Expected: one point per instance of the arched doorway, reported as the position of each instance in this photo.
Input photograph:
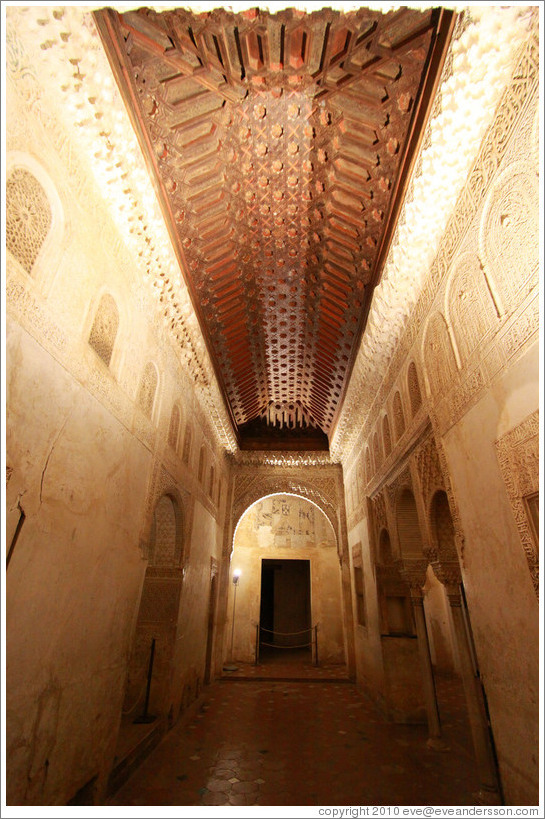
(290, 582)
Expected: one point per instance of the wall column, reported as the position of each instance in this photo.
(489, 791)
(435, 740)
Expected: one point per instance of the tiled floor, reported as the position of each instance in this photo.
(285, 665)
(303, 743)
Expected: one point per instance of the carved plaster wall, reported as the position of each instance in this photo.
(459, 347)
(322, 484)
(472, 337)
(88, 463)
(518, 457)
(420, 263)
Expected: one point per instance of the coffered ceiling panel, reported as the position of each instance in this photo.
(280, 146)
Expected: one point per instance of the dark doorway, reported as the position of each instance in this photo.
(285, 616)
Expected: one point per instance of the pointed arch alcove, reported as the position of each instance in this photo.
(157, 619)
(279, 540)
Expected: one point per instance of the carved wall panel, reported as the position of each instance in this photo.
(413, 388)
(361, 478)
(28, 217)
(399, 419)
(147, 389)
(368, 465)
(429, 470)
(104, 330)
(443, 531)
(186, 455)
(518, 457)
(211, 482)
(386, 436)
(380, 520)
(385, 556)
(202, 460)
(439, 357)
(472, 310)
(174, 427)
(379, 364)
(323, 491)
(377, 457)
(166, 539)
(408, 525)
(509, 231)
(160, 600)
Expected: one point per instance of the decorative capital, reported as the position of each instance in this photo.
(448, 572)
(413, 571)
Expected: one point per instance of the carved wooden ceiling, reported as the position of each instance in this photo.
(280, 146)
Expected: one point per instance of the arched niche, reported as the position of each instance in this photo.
(147, 391)
(442, 528)
(104, 329)
(470, 305)
(273, 534)
(166, 534)
(35, 221)
(399, 418)
(509, 232)
(174, 427)
(413, 389)
(408, 525)
(157, 619)
(439, 358)
(386, 436)
(385, 556)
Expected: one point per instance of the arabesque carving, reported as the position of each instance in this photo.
(470, 303)
(429, 470)
(518, 457)
(382, 354)
(439, 356)
(509, 231)
(28, 217)
(104, 330)
(323, 491)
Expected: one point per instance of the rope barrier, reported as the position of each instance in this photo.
(313, 644)
(272, 645)
(286, 633)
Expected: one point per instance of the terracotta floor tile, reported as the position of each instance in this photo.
(304, 743)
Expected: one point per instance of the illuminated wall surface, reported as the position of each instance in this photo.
(124, 479)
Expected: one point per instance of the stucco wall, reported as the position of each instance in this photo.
(460, 399)
(86, 466)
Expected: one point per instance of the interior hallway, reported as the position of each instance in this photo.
(272, 335)
(303, 743)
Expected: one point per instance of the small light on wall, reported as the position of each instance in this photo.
(236, 576)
